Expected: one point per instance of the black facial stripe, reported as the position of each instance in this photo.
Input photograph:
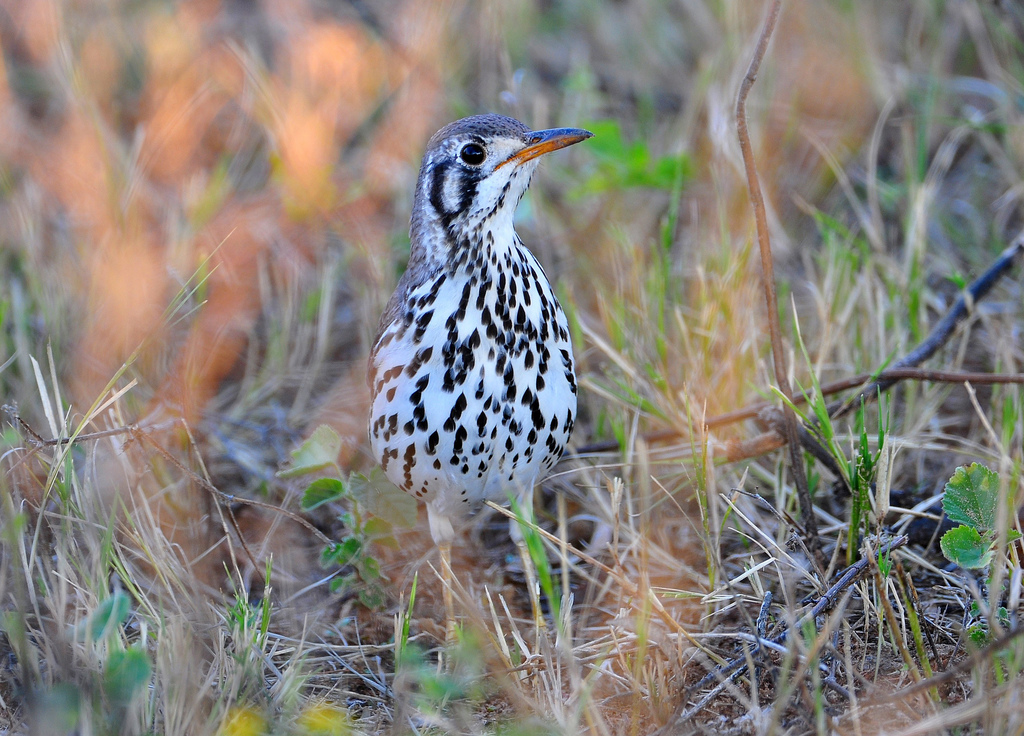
(469, 180)
(467, 183)
(440, 172)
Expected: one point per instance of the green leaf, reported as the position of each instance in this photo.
(126, 673)
(966, 547)
(621, 165)
(376, 527)
(344, 582)
(971, 497)
(108, 615)
(978, 634)
(884, 564)
(372, 597)
(321, 491)
(381, 531)
(369, 569)
(382, 498)
(316, 453)
(342, 554)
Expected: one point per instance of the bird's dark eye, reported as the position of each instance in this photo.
(473, 154)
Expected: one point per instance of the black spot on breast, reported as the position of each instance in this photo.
(410, 461)
(421, 357)
(456, 413)
(537, 415)
(421, 325)
(460, 314)
(460, 438)
(421, 383)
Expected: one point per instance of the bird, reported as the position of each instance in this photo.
(471, 374)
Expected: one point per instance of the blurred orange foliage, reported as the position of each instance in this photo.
(160, 137)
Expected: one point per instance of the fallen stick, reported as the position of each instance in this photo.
(902, 370)
(735, 668)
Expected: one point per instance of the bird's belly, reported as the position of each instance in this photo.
(465, 414)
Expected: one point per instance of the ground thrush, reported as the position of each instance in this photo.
(471, 374)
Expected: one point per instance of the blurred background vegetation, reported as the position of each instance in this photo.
(217, 193)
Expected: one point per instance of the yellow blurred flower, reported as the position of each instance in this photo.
(324, 720)
(243, 722)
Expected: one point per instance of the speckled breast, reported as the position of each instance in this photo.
(473, 385)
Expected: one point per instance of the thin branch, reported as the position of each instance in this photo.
(137, 432)
(954, 671)
(903, 369)
(751, 411)
(735, 668)
(229, 498)
(942, 331)
(789, 423)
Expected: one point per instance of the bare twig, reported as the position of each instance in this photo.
(903, 369)
(942, 331)
(38, 440)
(954, 671)
(137, 432)
(890, 377)
(789, 423)
(762, 615)
(730, 671)
(228, 497)
(825, 603)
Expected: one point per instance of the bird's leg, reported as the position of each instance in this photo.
(524, 500)
(442, 532)
(449, 604)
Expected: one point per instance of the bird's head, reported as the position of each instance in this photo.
(474, 173)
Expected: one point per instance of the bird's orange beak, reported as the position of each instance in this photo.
(546, 141)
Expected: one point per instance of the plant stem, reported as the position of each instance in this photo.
(789, 425)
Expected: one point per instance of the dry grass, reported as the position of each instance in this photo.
(203, 208)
